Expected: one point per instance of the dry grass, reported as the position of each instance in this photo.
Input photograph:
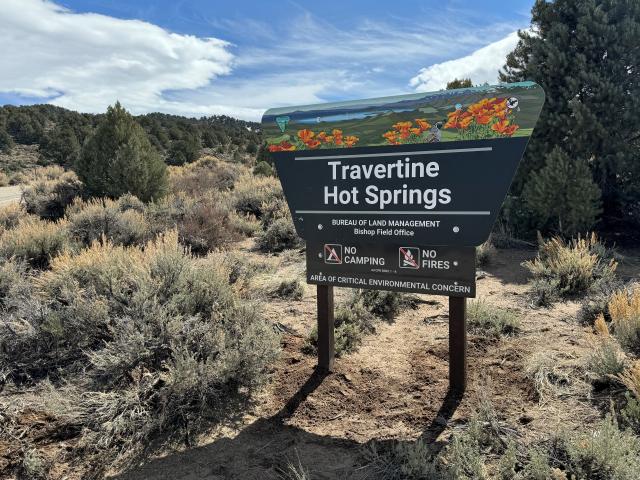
(631, 378)
(564, 269)
(553, 376)
(624, 310)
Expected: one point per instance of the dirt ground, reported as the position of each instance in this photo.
(395, 387)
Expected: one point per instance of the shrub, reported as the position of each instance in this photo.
(290, 289)
(382, 303)
(358, 316)
(152, 343)
(10, 216)
(491, 320)
(279, 235)
(203, 176)
(99, 219)
(597, 303)
(606, 360)
(4, 179)
(244, 224)
(251, 193)
(13, 283)
(272, 211)
(606, 452)
(35, 241)
(463, 457)
(624, 310)
(204, 224)
(48, 198)
(485, 253)
(569, 268)
(207, 225)
(263, 169)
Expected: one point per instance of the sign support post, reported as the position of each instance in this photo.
(457, 344)
(326, 345)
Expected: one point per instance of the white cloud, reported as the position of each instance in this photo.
(88, 61)
(481, 66)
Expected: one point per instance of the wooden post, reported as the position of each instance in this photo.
(326, 345)
(457, 344)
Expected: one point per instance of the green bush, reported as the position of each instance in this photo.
(352, 323)
(383, 303)
(49, 197)
(490, 320)
(568, 268)
(263, 169)
(118, 159)
(35, 241)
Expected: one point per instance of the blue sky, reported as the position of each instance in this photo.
(239, 57)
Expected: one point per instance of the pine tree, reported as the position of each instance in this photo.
(585, 55)
(119, 159)
(462, 83)
(562, 196)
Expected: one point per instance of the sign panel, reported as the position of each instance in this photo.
(438, 164)
(393, 266)
(409, 171)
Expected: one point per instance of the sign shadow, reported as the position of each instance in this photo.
(265, 448)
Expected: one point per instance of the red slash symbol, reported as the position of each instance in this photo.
(332, 254)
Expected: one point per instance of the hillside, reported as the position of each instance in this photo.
(41, 135)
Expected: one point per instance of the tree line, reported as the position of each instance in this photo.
(61, 133)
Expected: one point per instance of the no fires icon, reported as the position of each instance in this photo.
(333, 253)
(409, 257)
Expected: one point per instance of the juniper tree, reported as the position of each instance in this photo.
(561, 196)
(61, 145)
(6, 142)
(586, 56)
(119, 159)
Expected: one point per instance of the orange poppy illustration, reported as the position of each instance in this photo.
(307, 139)
(487, 118)
(407, 132)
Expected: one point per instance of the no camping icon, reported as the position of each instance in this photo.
(333, 253)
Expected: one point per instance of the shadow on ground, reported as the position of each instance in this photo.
(265, 448)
